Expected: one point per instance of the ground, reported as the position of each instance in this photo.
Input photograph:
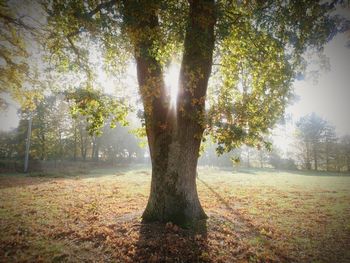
(254, 216)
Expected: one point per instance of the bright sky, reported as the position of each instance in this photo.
(8, 118)
(329, 97)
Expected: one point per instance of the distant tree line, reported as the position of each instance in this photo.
(57, 136)
(319, 147)
(248, 157)
(316, 147)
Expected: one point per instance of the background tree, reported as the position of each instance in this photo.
(329, 145)
(262, 155)
(210, 157)
(278, 162)
(8, 144)
(120, 145)
(344, 148)
(311, 131)
(59, 135)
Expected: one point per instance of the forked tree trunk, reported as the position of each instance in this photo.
(174, 134)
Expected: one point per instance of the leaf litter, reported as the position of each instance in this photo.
(98, 219)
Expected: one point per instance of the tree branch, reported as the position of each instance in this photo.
(80, 61)
(17, 22)
(99, 7)
(90, 14)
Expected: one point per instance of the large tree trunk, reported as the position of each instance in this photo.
(174, 134)
(173, 194)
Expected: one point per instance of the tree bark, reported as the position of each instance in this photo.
(174, 135)
(95, 149)
(315, 158)
(29, 134)
(75, 141)
(327, 159)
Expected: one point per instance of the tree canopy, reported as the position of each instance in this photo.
(258, 51)
(17, 70)
(12, 53)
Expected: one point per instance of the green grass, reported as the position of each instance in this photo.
(255, 215)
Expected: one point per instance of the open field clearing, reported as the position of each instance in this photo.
(254, 216)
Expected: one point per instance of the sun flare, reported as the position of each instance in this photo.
(172, 82)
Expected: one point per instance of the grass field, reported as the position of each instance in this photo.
(254, 216)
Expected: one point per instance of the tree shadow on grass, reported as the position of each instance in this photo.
(245, 228)
(170, 243)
